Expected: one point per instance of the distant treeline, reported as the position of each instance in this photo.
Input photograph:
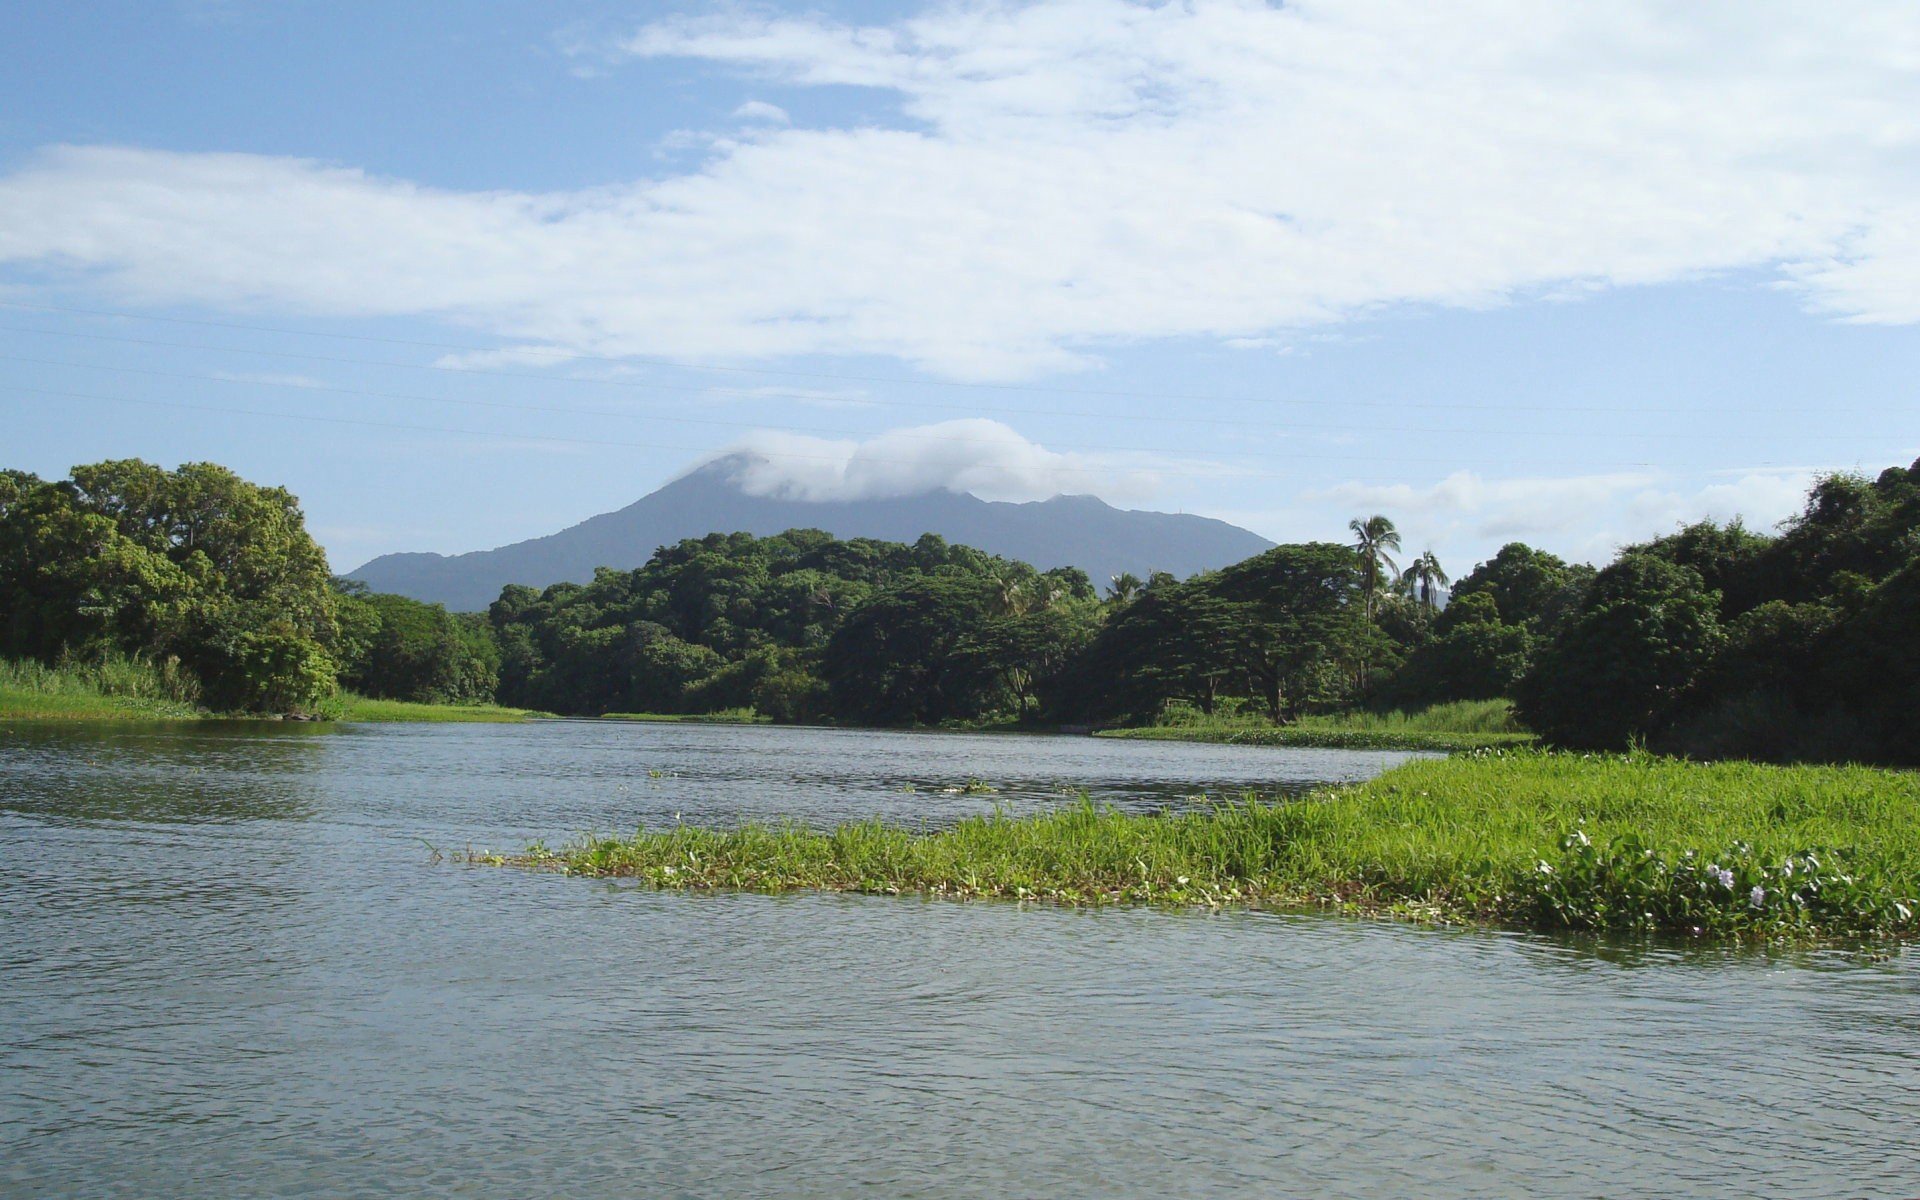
(1714, 640)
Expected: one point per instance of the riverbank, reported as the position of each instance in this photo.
(128, 690)
(729, 716)
(1516, 839)
(356, 709)
(1325, 738)
(1461, 725)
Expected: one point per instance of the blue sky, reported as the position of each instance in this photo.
(462, 274)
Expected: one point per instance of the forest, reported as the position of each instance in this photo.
(1712, 641)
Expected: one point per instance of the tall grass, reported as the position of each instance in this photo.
(349, 706)
(1460, 725)
(1523, 839)
(725, 716)
(110, 686)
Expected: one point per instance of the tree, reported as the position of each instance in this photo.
(1124, 587)
(1297, 624)
(1372, 539)
(1174, 641)
(1425, 579)
(196, 564)
(1627, 657)
(402, 649)
(1528, 587)
(904, 656)
(1027, 653)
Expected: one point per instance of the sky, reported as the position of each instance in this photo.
(456, 275)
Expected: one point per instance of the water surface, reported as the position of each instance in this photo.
(228, 968)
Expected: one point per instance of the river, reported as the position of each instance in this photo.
(230, 966)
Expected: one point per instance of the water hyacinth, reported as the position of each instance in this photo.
(1625, 885)
(1548, 841)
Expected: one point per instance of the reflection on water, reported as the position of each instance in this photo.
(227, 968)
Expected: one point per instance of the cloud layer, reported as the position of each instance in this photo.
(973, 455)
(1070, 173)
(1587, 516)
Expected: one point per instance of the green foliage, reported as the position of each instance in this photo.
(731, 620)
(1628, 885)
(1460, 725)
(112, 687)
(195, 564)
(1457, 839)
(347, 706)
(1817, 654)
(907, 656)
(1285, 627)
(1474, 659)
(1528, 587)
(396, 648)
(1619, 668)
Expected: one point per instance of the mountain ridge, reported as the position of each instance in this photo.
(1079, 531)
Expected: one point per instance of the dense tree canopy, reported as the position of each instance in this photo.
(401, 649)
(1711, 640)
(799, 625)
(196, 565)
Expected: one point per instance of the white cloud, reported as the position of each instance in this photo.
(1495, 508)
(1761, 499)
(1584, 517)
(1080, 172)
(973, 455)
(761, 111)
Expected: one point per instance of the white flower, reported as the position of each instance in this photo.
(1757, 897)
(1723, 875)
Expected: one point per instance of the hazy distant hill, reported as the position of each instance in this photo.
(1078, 531)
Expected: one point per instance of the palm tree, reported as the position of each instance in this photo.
(1424, 579)
(1125, 586)
(1372, 538)
(1009, 597)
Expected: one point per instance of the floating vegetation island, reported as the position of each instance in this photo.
(1521, 839)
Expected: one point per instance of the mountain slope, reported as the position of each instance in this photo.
(1078, 531)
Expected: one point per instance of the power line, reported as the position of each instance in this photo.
(557, 410)
(1373, 459)
(564, 356)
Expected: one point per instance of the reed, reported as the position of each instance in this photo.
(113, 687)
(1460, 725)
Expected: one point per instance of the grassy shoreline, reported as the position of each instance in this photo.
(730, 716)
(362, 709)
(133, 690)
(1324, 738)
(1460, 725)
(1515, 839)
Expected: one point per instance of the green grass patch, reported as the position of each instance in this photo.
(350, 707)
(726, 716)
(111, 689)
(1521, 839)
(1461, 725)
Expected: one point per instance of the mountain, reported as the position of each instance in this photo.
(1077, 531)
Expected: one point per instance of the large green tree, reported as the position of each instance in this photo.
(1621, 667)
(195, 564)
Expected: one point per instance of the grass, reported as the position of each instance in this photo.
(355, 708)
(1461, 725)
(726, 716)
(134, 689)
(1520, 839)
(112, 689)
